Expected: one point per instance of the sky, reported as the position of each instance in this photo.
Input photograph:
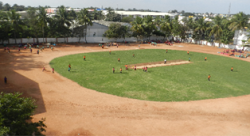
(197, 6)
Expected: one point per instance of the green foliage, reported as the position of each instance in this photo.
(16, 113)
(84, 18)
(112, 16)
(128, 19)
(170, 83)
(116, 30)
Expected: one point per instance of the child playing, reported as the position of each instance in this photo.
(187, 52)
(120, 70)
(53, 70)
(126, 66)
(84, 58)
(113, 70)
(118, 59)
(232, 68)
(135, 67)
(205, 58)
(209, 77)
(43, 68)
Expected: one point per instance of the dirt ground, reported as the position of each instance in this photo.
(158, 64)
(70, 109)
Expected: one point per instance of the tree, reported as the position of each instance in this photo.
(63, 21)
(97, 15)
(239, 22)
(84, 18)
(148, 26)
(166, 26)
(137, 28)
(6, 7)
(15, 22)
(31, 21)
(5, 28)
(127, 19)
(216, 29)
(125, 32)
(42, 19)
(112, 16)
(114, 31)
(200, 29)
(16, 112)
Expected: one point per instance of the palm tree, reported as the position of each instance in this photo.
(84, 18)
(201, 27)
(5, 28)
(216, 29)
(31, 21)
(239, 22)
(15, 22)
(149, 26)
(63, 19)
(166, 26)
(42, 19)
(137, 27)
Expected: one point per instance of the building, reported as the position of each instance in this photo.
(144, 14)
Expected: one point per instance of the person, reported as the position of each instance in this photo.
(69, 66)
(205, 58)
(232, 68)
(188, 52)
(53, 70)
(126, 66)
(43, 68)
(37, 52)
(30, 50)
(189, 59)
(52, 48)
(69, 69)
(209, 77)
(120, 70)
(118, 59)
(146, 69)
(133, 55)
(113, 70)
(166, 50)
(135, 67)
(117, 45)
(5, 80)
(165, 61)
(19, 49)
(102, 46)
(109, 52)
(84, 58)
(143, 69)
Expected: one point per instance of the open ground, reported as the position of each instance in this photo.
(70, 109)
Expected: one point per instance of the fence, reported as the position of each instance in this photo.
(105, 40)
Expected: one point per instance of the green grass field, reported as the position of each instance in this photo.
(171, 83)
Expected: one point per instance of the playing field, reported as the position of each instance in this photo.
(166, 83)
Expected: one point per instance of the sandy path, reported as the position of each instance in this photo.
(162, 64)
(71, 109)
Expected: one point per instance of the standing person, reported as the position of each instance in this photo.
(232, 68)
(37, 51)
(51, 48)
(113, 70)
(135, 67)
(165, 61)
(146, 69)
(205, 58)
(187, 52)
(209, 77)
(133, 55)
(118, 59)
(109, 52)
(19, 49)
(30, 50)
(120, 70)
(102, 46)
(126, 66)
(84, 58)
(166, 50)
(5, 80)
(69, 69)
(117, 45)
(43, 68)
(69, 66)
(53, 70)
(189, 59)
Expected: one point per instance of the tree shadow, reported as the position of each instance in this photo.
(10, 63)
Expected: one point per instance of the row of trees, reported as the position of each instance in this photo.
(219, 29)
(38, 24)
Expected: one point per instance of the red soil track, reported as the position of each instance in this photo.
(70, 109)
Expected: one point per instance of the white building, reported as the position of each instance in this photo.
(144, 14)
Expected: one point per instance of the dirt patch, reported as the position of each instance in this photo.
(158, 64)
